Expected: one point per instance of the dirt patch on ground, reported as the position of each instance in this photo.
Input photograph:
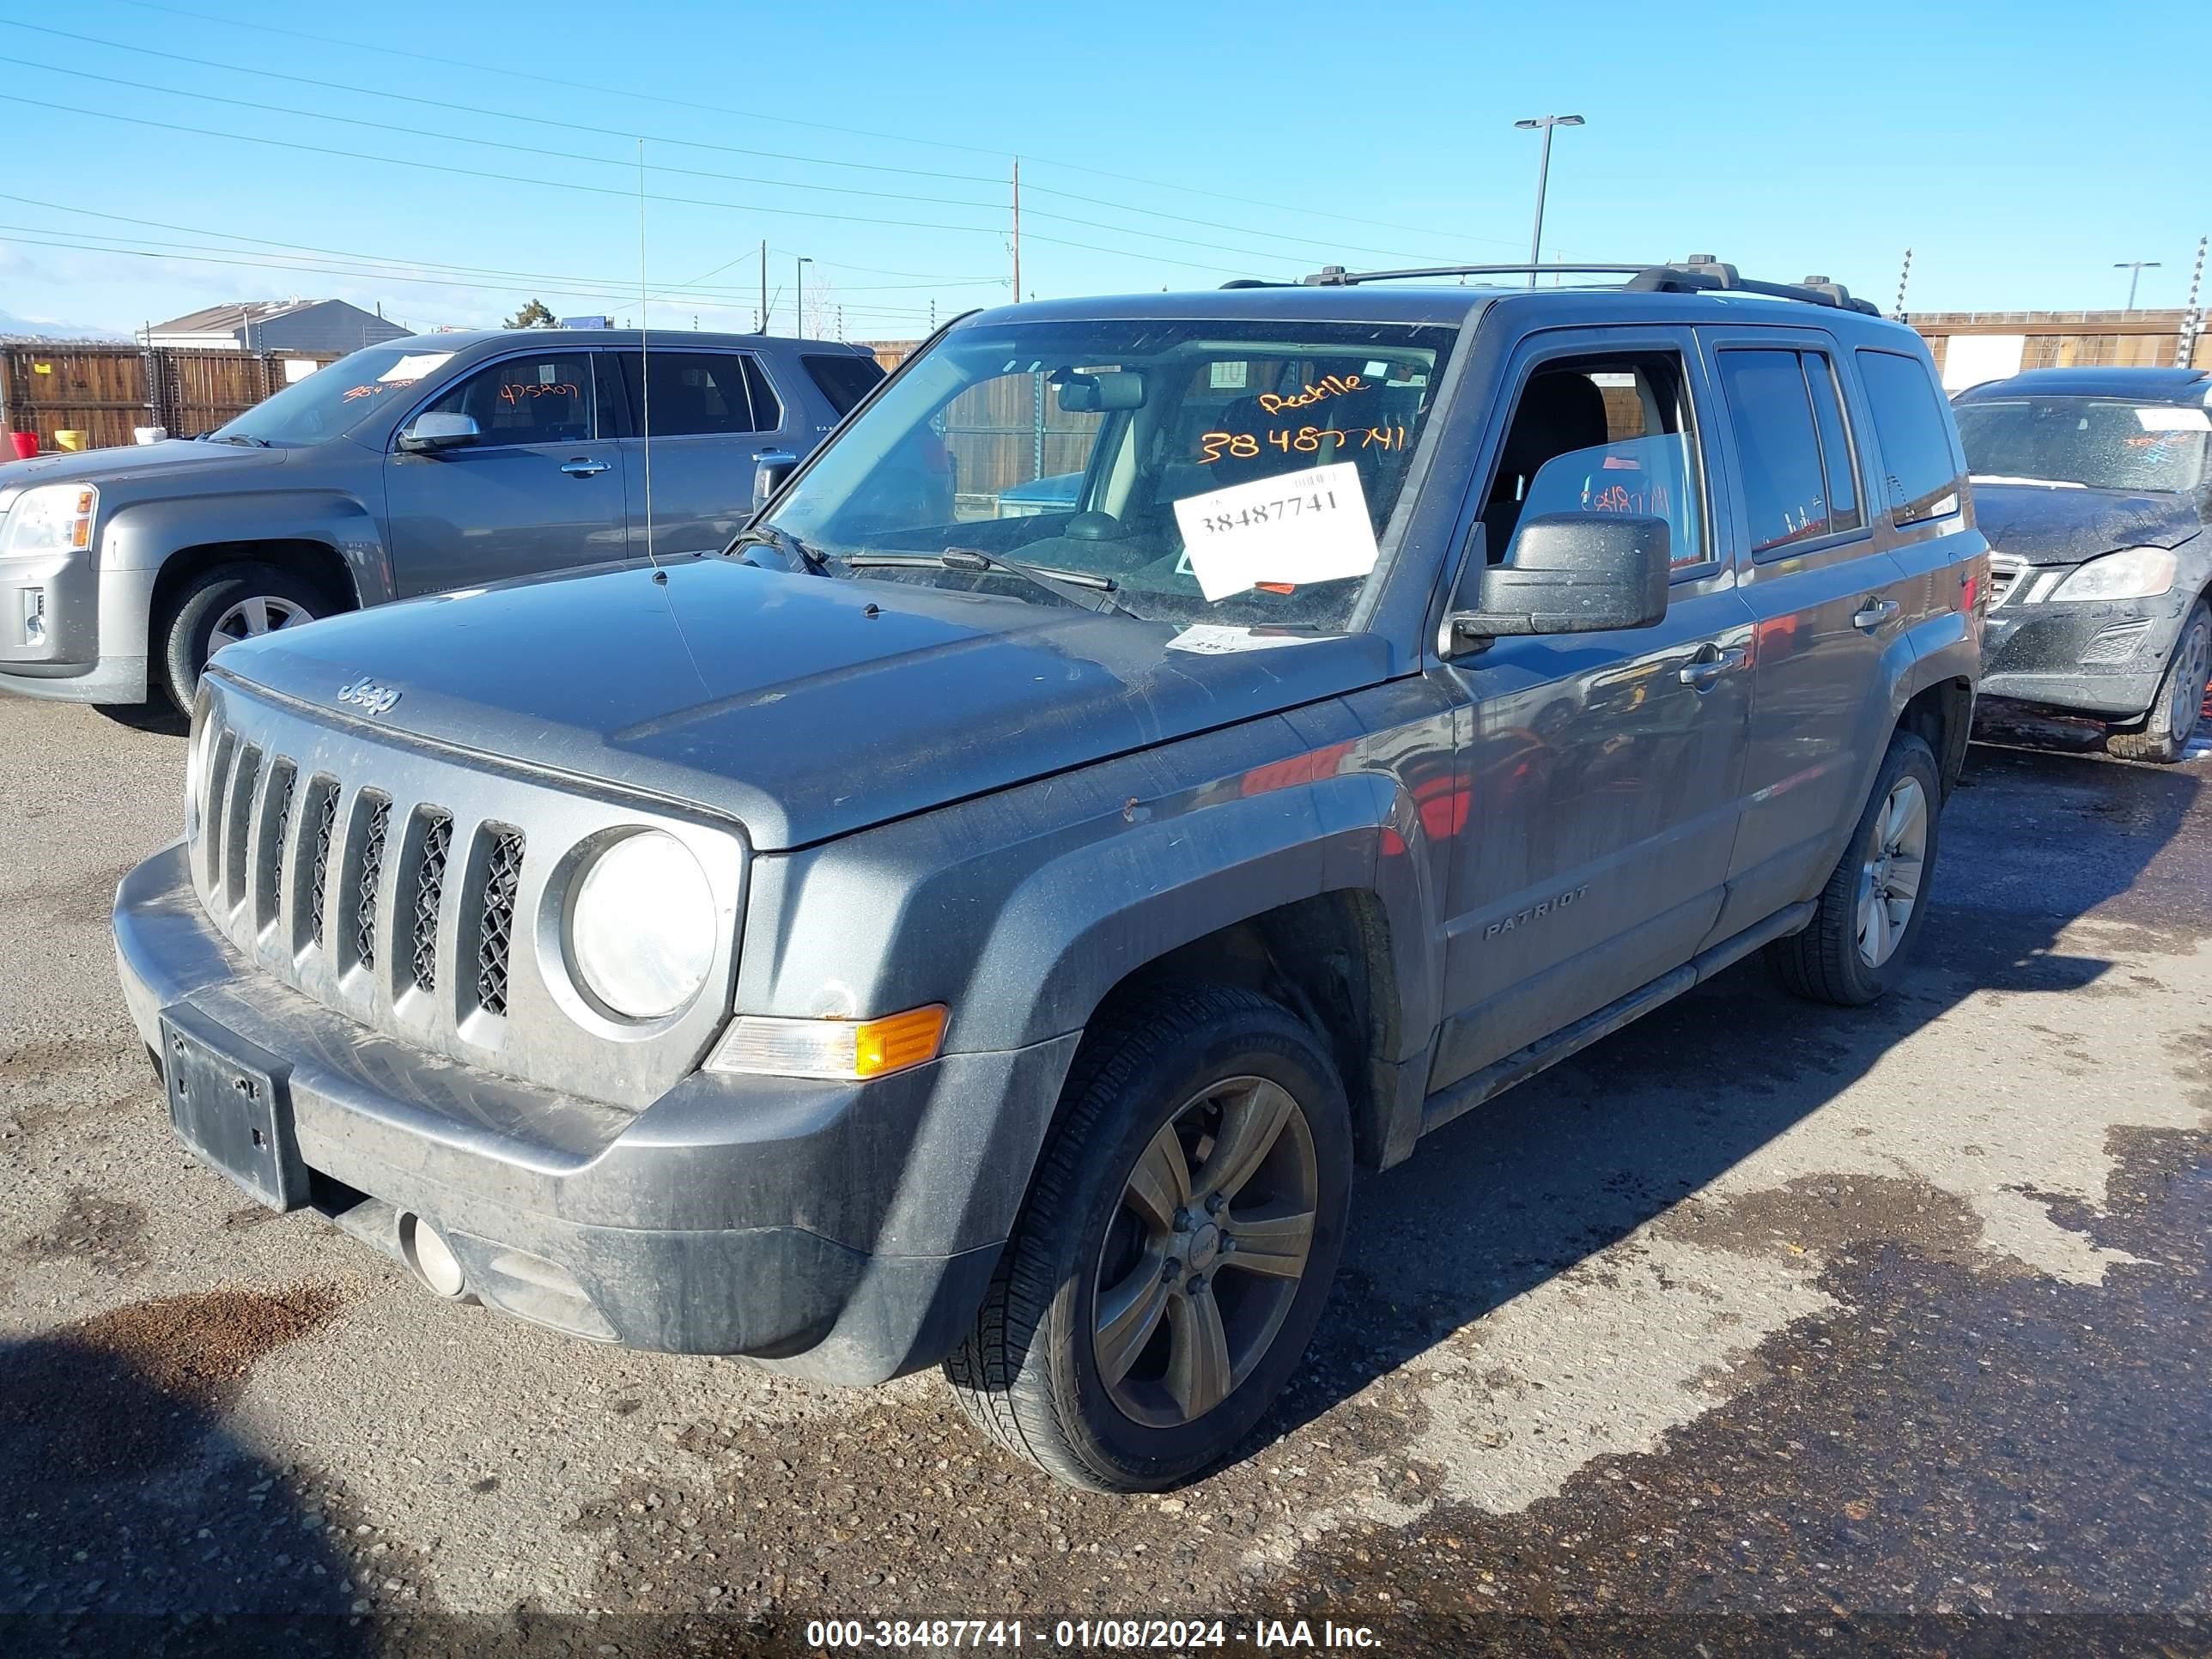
(1831, 1215)
(105, 1234)
(83, 1391)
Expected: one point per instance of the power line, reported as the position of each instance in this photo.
(232, 257)
(450, 62)
(697, 285)
(540, 152)
(596, 189)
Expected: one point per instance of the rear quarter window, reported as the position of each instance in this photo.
(1912, 427)
(843, 380)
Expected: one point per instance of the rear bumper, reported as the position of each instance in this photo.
(2102, 660)
(845, 1233)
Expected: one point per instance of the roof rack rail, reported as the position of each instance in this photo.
(1699, 273)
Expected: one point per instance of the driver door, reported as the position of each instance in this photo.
(1603, 771)
(541, 488)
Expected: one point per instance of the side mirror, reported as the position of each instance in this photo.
(434, 429)
(770, 468)
(1571, 573)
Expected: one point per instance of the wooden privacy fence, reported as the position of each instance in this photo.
(105, 392)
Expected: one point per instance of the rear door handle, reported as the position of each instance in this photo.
(1702, 673)
(1874, 613)
(583, 468)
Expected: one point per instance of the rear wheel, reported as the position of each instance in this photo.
(1869, 916)
(2175, 716)
(1170, 1264)
(230, 602)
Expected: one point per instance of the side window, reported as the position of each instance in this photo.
(1914, 435)
(1601, 435)
(843, 380)
(767, 408)
(544, 399)
(1839, 455)
(693, 392)
(1786, 487)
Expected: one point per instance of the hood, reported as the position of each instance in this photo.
(2047, 525)
(805, 707)
(173, 458)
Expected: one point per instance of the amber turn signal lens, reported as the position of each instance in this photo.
(765, 1046)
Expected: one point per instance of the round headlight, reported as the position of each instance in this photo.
(641, 926)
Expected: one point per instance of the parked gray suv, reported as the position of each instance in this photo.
(994, 939)
(421, 464)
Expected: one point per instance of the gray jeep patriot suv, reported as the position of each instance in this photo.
(922, 934)
(407, 468)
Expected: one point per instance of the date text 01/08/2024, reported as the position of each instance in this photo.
(1084, 1635)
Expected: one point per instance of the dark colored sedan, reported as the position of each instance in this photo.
(2095, 486)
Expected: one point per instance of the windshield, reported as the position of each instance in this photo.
(2095, 443)
(1190, 471)
(332, 401)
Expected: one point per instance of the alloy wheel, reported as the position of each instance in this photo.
(2190, 672)
(1205, 1252)
(1889, 881)
(255, 614)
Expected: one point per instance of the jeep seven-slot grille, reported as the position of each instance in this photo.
(429, 897)
(319, 873)
(496, 933)
(372, 873)
(340, 872)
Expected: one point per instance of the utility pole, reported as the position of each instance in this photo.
(1017, 230)
(2192, 317)
(1903, 277)
(763, 303)
(798, 264)
(1543, 124)
(2134, 268)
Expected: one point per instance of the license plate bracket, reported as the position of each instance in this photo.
(229, 1102)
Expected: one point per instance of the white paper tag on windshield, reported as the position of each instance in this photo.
(2173, 420)
(1292, 529)
(1212, 639)
(415, 366)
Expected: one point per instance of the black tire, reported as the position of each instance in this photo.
(1028, 1372)
(1824, 963)
(183, 631)
(2175, 714)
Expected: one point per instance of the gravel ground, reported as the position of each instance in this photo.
(1757, 1326)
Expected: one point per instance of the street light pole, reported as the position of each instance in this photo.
(798, 283)
(1543, 124)
(2134, 268)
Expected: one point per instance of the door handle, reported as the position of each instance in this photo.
(1874, 613)
(584, 468)
(1702, 673)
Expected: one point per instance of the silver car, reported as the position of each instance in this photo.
(416, 466)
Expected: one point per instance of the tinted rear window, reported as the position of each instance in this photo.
(843, 380)
(1921, 473)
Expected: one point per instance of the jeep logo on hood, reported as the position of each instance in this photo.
(366, 694)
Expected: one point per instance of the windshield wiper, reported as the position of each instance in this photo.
(775, 536)
(1078, 587)
(241, 438)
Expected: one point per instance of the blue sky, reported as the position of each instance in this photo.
(2019, 150)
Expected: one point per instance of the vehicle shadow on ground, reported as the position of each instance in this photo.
(137, 1523)
(1554, 1171)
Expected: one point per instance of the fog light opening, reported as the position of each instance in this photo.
(431, 1257)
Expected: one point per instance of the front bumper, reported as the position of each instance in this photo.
(73, 634)
(842, 1231)
(2105, 659)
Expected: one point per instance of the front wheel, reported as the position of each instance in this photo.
(230, 602)
(1869, 914)
(1170, 1264)
(2173, 719)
